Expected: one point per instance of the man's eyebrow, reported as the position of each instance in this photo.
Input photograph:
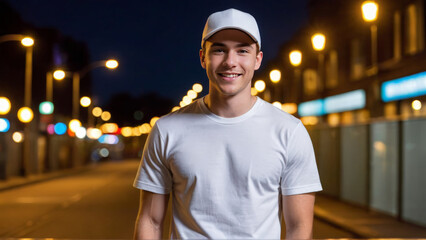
(218, 44)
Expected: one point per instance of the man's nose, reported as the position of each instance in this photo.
(230, 60)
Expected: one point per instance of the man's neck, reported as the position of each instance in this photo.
(229, 106)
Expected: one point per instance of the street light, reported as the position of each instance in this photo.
(318, 44)
(259, 85)
(369, 14)
(25, 115)
(110, 64)
(4, 105)
(275, 76)
(295, 57)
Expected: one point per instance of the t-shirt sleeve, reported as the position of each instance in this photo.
(153, 174)
(300, 173)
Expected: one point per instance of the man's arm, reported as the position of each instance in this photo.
(298, 211)
(150, 219)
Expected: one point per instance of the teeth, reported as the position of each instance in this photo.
(230, 75)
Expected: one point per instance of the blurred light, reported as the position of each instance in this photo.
(4, 105)
(153, 121)
(111, 64)
(109, 128)
(260, 85)
(290, 108)
(369, 10)
(345, 102)
(405, 87)
(182, 104)
(145, 128)
(136, 131)
(46, 108)
(318, 41)
(27, 42)
(187, 100)
(50, 129)
(74, 125)
(108, 139)
(97, 111)
(106, 116)
(60, 128)
(4, 125)
(175, 108)
(18, 137)
(70, 133)
(197, 87)
(380, 147)
(94, 133)
(311, 108)
(333, 119)
(126, 131)
(81, 132)
(59, 75)
(295, 57)
(192, 94)
(275, 76)
(138, 115)
(104, 152)
(85, 101)
(277, 104)
(253, 91)
(416, 105)
(25, 114)
(311, 120)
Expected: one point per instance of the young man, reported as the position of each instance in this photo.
(232, 161)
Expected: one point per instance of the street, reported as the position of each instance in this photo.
(96, 204)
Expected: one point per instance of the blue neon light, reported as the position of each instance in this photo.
(4, 125)
(60, 128)
(345, 102)
(311, 108)
(405, 87)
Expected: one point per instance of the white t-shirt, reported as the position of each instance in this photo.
(227, 174)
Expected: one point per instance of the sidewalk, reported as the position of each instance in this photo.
(362, 222)
(359, 221)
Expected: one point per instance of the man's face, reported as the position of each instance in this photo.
(230, 58)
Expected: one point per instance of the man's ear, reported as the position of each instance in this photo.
(202, 59)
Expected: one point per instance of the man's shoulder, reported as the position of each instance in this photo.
(181, 116)
(277, 115)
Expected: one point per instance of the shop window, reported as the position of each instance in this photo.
(357, 60)
(332, 70)
(310, 81)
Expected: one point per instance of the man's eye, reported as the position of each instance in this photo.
(243, 51)
(218, 50)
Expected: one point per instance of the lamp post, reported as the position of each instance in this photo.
(369, 14)
(110, 64)
(28, 43)
(295, 57)
(318, 43)
(275, 76)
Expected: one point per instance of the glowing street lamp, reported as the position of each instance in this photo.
(110, 64)
(197, 87)
(259, 85)
(85, 101)
(369, 10)
(369, 13)
(25, 114)
(27, 42)
(295, 57)
(318, 41)
(4, 105)
(275, 75)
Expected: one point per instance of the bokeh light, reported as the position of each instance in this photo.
(197, 87)
(46, 108)
(97, 111)
(27, 42)
(74, 125)
(416, 105)
(85, 101)
(59, 75)
(80, 132)
(4, 105)
(4, 125)
(60, 128)
(94, 133)
(25, 114)
(18, 137)
(106, 116)
(275, 75)
(260, 85)
(111, 64)
(153, 121)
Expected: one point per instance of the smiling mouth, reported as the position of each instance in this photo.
(229, 75)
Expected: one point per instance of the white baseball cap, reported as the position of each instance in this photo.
(231, 19)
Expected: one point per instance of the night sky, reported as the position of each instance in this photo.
(156, 42)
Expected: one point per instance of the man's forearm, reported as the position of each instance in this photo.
(147, 229)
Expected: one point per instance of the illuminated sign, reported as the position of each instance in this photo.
(405, 87)
(339, 103)
(311, 108)
(345, 102)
